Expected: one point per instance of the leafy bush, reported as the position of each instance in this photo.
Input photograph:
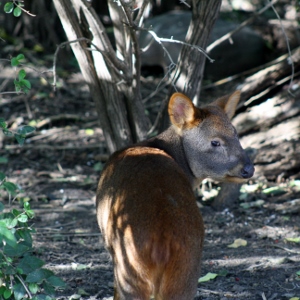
(21, 273)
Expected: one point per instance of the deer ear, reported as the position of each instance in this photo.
(181, 110)
(229, 103)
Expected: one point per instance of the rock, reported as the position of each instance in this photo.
(246, 51)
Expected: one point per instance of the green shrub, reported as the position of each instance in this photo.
(21, 273)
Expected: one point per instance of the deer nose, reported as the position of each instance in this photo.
(248, 171)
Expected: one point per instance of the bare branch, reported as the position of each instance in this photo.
(62, 45)
(136, 49)
(25, 11)
(89, 49)
(18, 93)
(139, 18)
(185, 3)
(109, 51)
(24, 285)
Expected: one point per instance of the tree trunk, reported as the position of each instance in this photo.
(189, 74)
(112, 81)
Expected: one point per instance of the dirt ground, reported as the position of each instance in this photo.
(58, 168)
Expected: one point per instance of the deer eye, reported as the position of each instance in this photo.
(215, 143)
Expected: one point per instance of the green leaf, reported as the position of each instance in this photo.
(275, 190)
(26, 129)
(98, 166)
(15, 212)
(18, 87)
(38, 275)
(20, 139)
(25, 235)
(23, 218)
(293, 239)
(17, 251)
(238, 243)
(12, 222)
(223, 272)
(14, 62)
(56, 281)
(8, 7)
(17, 12)
(7, 293)
(26, 206)
(79, 267)
(89, 131)
(3, 124)
(30, 263)
(209, 276)
(2, 176)
(7, 235)
(2, 289)
(8, 132)
(33, 287)
(10, 187)
(49, 289)
(3, 160)
(9, 270)
(20, 56)
(30, 213)
(25, 83)
(22, 74)
(19, 291)
(1, 206)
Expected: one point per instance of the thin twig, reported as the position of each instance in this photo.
(157, 90)
(139, 18)
(18, 93)
(26, 11)
(136, 49)
(286, 249)
(117, 65)
(24, 285)
(160, 40)
(184, 2)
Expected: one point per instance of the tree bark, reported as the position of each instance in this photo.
(113, 81)
(189, 74)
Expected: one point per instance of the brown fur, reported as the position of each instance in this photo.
(146, 208)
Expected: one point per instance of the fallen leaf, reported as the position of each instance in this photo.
(209, 276)
(293, 240)
(78, 267)
(238, 243)
(82, 292)
(89, 132)
(256, 203)
(275, 190)
(75, 297)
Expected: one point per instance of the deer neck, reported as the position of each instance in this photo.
(170, 142)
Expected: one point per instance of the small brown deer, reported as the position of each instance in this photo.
(146, 208)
